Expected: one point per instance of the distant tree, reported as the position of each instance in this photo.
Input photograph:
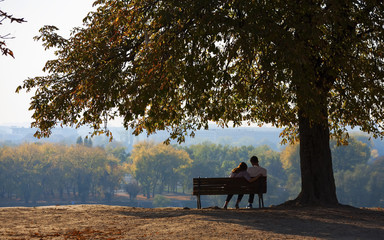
(345, 157)
(348, 156)
(3, 46)
(133, 189)
(79, 141)
(119, 152)
(88, 142)
(376, 183)
(10, 169)
(379, 161)
(353, 185)
(312, 67)
(155, 165)
(93, 169)
(290, 159)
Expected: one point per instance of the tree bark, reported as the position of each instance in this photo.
(317, 180)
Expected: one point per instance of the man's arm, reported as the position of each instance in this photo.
(255, 178)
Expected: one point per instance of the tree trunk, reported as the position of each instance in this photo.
(317, 180)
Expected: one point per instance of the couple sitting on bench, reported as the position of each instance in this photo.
(251, 174)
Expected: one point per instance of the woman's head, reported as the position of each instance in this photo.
(242, 167)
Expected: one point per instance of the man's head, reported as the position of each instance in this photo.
(254, 160)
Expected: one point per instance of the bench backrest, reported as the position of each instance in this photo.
(223, 186)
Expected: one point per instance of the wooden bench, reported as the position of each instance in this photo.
(225, 186)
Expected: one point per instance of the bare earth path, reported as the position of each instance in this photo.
(114, 222)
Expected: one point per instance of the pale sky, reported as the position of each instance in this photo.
(30, 56)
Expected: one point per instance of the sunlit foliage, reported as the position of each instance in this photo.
(46, 171)
(155, 166)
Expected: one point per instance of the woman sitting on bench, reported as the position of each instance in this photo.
(240, 171)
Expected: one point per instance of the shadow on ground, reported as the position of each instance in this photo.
(342, 222)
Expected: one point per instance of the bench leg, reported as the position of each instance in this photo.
(261, 201)
(198, 202)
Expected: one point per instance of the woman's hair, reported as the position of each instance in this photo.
(242, 167)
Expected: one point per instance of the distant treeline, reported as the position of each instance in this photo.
(34, 172)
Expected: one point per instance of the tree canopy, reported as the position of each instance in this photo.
(180, 64)
(312, 67)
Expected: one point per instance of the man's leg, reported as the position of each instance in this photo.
(239, 197)
(250, 200)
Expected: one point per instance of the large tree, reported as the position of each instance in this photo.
(312, 67)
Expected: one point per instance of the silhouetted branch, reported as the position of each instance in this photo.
(3, 47)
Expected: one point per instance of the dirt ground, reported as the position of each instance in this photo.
(115, 222)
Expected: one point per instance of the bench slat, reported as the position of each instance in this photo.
(223, 186)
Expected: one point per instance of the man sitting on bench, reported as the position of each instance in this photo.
(255, 171)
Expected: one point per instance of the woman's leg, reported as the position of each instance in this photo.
(227, 201)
